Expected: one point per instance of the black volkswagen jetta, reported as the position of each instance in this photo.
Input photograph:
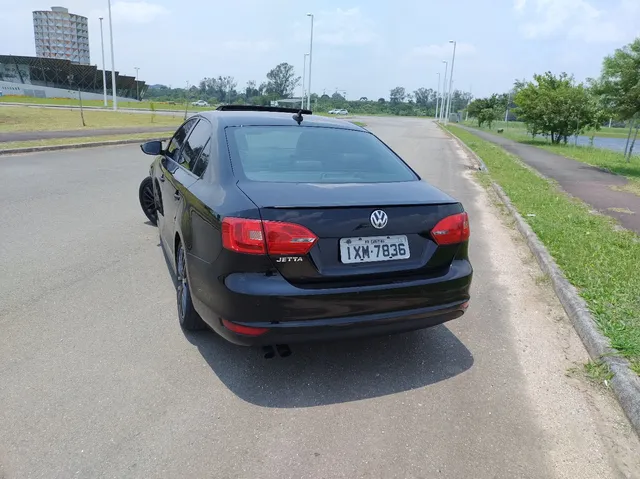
(284, 227)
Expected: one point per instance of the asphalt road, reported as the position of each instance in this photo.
(97, 379)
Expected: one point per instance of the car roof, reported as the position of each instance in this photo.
(267, 118)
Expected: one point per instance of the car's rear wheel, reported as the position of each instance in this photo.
(189, 319)
(147, 200)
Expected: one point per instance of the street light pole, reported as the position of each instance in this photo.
(453, 60)
(304, 77)
(437, 95)
(137, 69)
(113, 62)
(104, 73)
(310, 61)
(444, 90)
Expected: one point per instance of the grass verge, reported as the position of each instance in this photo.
(132, 105)
(609, 160)
(16, 118)
(600, 260)
(84, 139)
(518, 128)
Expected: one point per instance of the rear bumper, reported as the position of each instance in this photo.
(343, 328)
(293, 314)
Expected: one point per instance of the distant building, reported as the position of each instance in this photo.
(62, 35)
(55, 78)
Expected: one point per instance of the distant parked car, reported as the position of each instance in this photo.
(333, 112)
(199, 103)
(342, 112)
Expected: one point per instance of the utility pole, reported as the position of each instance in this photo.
(444, 90)
(186, 100)
(137, 89)
(304, 77)
(113, 62)
(437, 95)
(468, 103)
(104, 73)
(310, 61)
(453, 60)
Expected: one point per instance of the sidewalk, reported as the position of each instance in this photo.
(46, 135)
(589, 183)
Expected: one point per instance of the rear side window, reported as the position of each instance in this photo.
(195, 144)
(314, 155)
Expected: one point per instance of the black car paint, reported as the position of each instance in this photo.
(314, 298)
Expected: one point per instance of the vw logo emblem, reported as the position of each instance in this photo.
(379, 219)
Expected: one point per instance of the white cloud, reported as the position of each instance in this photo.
(340, 28)
(519, 5)
(134, 12)
(580, 20)
(248, 46)
(441, 50)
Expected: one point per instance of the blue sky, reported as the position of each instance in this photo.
(364, 48)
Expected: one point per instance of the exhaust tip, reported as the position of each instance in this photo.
(284, 351)
(268, 352)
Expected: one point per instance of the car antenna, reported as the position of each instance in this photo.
(298, 117)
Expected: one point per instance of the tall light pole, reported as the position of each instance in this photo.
(310, 61)
(453, 60)
(437, 95)
(104, 73)
(113, 62)
(304, 77)
(137, 69)
(444, 89)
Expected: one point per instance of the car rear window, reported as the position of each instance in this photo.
(299, 154)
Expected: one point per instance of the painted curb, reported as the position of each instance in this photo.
(75, 146)
(625, 383)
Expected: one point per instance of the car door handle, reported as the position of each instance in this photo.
(162, 177)
(176, 195)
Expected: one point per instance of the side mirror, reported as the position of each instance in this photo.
(153, 147)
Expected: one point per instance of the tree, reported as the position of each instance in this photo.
(397, 95)
(337, 97)
(282, 81)
(382, 101)
(485, 110)
(251, 90)
(619, 84)
(364, 98)
(553, 106)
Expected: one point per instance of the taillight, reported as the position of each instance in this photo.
(246, 330)
(243, 236)
(259, 237)
(288, 238)
(451, 230)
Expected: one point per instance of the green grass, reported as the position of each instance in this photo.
(609, 160)
(142, 105)
(600, 260)
(359, 123)
(84, 139)
(518, 129)
(18, 118)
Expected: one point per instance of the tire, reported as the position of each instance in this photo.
(189, 319)
(147, 200)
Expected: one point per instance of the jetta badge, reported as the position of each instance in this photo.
(379, 219)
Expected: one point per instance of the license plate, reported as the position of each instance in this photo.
(374, 248)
